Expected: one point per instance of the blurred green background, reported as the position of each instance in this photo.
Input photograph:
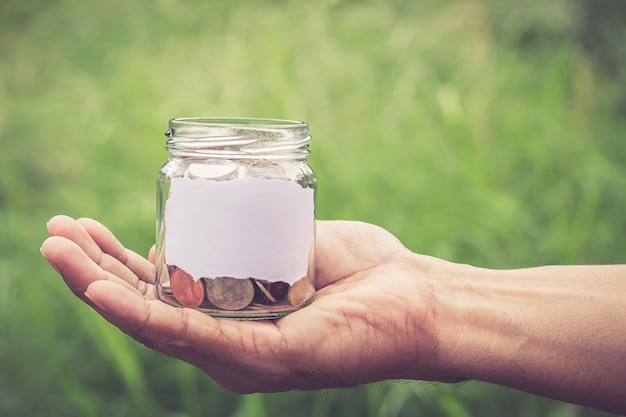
(488, 132)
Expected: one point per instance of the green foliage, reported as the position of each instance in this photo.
(484, 131)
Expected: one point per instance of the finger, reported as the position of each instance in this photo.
(344, 248)
(216, 346)
(332, 259)
(73, 230)
(75, 266)
(69, 228)
(117, 269)
(108, 243)
(155, 324)
(152, 254)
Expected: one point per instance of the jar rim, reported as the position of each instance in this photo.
(237, 122)
(237, 137)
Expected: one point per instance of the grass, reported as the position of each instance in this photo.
(477, 131)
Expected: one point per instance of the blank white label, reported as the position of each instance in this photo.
(248, 227)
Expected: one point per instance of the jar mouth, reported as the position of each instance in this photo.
(235, 121)
(237, 137)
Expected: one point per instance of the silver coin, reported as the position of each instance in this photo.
(265, 169)
(224, 171)
(230, 293)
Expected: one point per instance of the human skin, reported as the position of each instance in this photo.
(381, 312)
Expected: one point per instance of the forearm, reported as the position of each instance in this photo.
(556, 331)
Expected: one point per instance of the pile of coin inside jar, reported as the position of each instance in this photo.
(233, 294)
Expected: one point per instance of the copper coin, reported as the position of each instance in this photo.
(230, 293)
(278, 289)
(269, 292)
(301, 291)
(188, 292)
(262, 293)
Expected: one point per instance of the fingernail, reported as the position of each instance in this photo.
(96, 303)
(49, 261)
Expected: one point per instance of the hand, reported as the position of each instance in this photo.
(371, 319)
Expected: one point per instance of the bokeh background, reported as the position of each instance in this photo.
(489, 132)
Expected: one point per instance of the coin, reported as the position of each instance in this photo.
(262, 293)
(265, 169)
(171, 269)
(301, 291)
(230, 293)
(269, 292)
(226, 170)
(279, 289)
(188, 292)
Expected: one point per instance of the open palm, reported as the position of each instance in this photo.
(371, 319)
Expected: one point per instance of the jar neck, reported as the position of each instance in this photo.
(237, 138)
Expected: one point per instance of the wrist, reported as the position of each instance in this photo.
(439, 288)
(470, 324)
(462, 313)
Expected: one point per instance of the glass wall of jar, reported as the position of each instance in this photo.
(236, 217)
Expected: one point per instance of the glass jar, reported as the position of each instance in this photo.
(236, 217)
